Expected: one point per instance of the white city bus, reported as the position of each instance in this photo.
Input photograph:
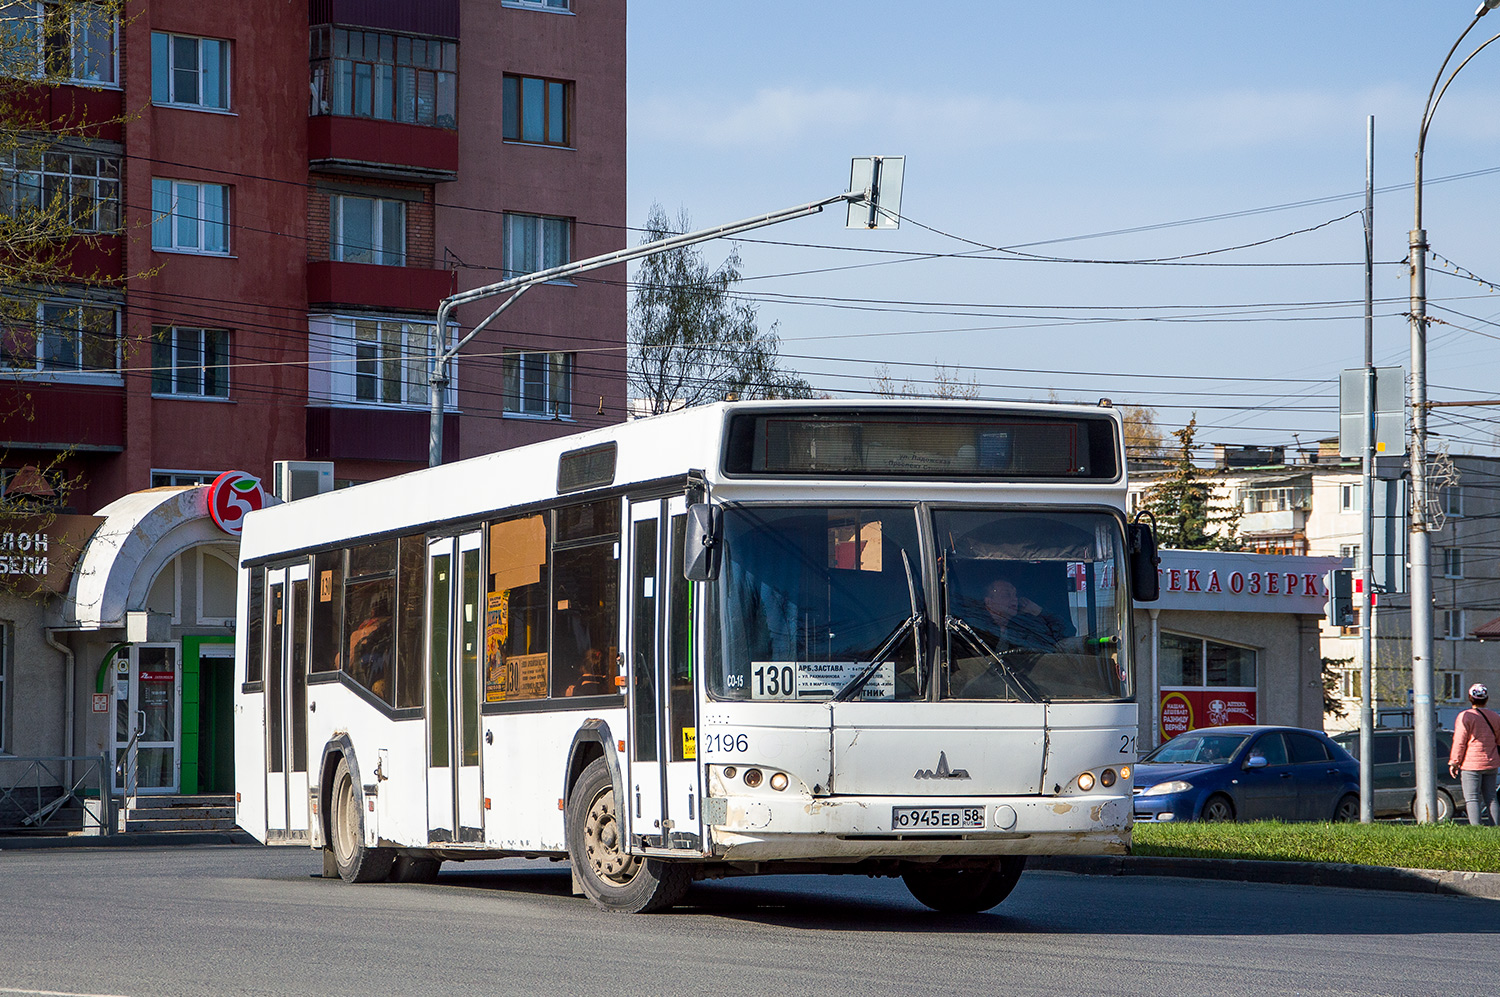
(885, 638)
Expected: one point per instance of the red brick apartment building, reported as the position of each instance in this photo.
(285, 190)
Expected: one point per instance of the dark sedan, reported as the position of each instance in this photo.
(1248, 773)
(1396, 773)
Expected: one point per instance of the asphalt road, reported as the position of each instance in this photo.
(241, 920)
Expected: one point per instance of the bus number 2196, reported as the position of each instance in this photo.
(726, 743)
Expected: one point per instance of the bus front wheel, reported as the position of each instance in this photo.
(966, 890)
(610, 876)
(356, 863)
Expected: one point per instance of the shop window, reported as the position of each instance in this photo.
(373, 74)
(1195, 661)
(190, 362)
(515, 612)
(189, 72)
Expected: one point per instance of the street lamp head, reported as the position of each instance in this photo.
(1486, 7)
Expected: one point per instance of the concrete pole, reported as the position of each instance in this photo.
(1367, 527)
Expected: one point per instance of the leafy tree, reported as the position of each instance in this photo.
(1187, 515)
(692, 341)
(1143, 439)
(945, 384)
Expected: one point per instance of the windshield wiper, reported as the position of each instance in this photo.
(913, 622)
(1024, 687)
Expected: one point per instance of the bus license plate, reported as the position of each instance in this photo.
(935, 818)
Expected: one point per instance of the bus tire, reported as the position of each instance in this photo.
(614, 880)
(965, 890)
(411, 869)
(356, 863)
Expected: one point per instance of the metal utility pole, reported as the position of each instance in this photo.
(1424, 719)
(1367, 527)
(867, 176)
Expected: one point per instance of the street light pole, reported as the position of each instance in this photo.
(1424, 719)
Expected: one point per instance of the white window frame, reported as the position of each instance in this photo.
(204, 554)
(1450, 685)
(169, 221)
(1453, 500)
(39, 35)
(1453, 624)
(1351, 551)
(31, 178)
(536, 242)
(1453, 562)
(547, 6)
(339, 247)
(1351, 497)
(166, 345)
(181, 478)
(44, 348)
(546, 370)
(1349, 682)
(164, 73)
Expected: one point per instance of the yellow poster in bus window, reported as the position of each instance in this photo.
(499, 685)
(689, 743)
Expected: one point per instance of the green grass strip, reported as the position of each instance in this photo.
(1458, 847)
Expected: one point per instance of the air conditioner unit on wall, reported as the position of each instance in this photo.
(295, 479)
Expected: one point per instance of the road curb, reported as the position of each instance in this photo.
(1355, 877)
(147, 839)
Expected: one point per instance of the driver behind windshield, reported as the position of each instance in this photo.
(1016, 628)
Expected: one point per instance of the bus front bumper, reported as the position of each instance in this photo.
(855, 827)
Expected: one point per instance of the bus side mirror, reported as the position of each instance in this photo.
(1145, 586)
(703, 543)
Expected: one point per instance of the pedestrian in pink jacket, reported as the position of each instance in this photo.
(1476, 755)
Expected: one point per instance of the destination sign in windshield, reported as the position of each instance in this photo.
(893, 443)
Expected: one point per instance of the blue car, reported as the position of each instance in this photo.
(1248, 773)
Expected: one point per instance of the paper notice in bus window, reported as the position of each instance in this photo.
(518, 549)
(520, 676)
(818, 679)
(855, 546)
(689, 743)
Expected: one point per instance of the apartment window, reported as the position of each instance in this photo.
(40, 39)
(189, 72)
(367, 230)
(390, 361)
(1351, 498)
(83, 188)
(1274, 499)
(1350, 680)
(535, 242)
(1351, 553)
(189, 217)
(191, 362)
(371, 74)
(540, 4)
(1453, 500)
(63, 337)
(539, 384)
(536, 110)
(1451, 686)
(1453, 624)
(1453, 562)
(182, 479)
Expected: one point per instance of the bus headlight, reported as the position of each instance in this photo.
(753, 777)
(1086, 781)
(779, 781)
(1107, 778)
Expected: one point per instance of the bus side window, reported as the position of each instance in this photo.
(515, 611)
(327, 610)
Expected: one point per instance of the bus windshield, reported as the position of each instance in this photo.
(1033, 611)
(815, 603)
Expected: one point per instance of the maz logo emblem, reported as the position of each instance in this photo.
(942, 771)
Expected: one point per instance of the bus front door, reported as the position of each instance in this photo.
(455, 805)
(664, 791)
(286, 703)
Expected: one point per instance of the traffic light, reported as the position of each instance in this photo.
(1340, 609)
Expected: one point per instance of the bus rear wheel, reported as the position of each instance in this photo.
(610, 876)
(966, 890)
(356, 863)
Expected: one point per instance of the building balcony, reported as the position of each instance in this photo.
(331, 283)
(83, 110)
(1283, 521)
(376, 434)
(43, 415)
(372, 147)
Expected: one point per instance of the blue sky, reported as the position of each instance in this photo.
(1029, 125)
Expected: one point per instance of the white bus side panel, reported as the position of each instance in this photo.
(524, 771)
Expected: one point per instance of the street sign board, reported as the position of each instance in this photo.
(881, 176)
(1390, 411)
